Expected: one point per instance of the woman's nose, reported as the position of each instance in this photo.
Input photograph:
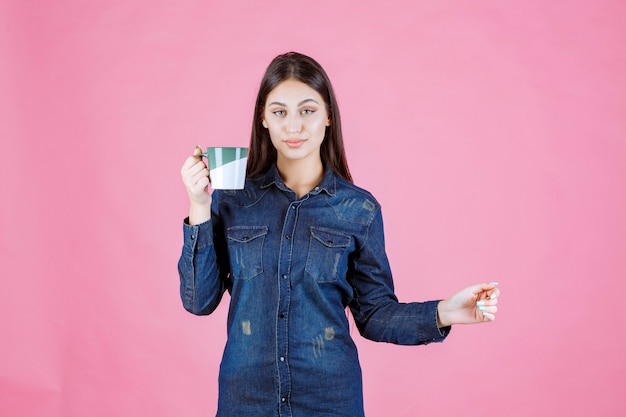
(294, 124)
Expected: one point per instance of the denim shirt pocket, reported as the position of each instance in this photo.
(327, 248)
(245, 248)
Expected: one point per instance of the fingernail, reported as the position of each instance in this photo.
(493, 296)
(482, 308)
(480, 303)
(489, 315)
(494, 283)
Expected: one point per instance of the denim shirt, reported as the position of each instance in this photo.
(292, 266)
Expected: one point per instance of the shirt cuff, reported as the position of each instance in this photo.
(435, 333)
(198, 236)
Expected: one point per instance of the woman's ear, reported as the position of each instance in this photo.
(264, 124)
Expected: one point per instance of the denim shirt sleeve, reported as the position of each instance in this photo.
(201, 288)
(376, 310)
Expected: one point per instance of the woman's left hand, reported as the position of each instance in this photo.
(474, 304)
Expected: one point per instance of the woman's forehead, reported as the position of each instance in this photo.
(293, 92)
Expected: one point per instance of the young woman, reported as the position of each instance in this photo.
(294, 248)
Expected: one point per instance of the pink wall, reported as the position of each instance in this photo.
(493, 133)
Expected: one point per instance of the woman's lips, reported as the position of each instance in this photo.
(294, 143)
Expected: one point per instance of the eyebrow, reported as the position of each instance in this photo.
(299, 104)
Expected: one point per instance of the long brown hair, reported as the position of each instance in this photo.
(295, 66)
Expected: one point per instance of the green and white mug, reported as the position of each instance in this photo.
(227, 166)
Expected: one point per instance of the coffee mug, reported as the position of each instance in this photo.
(227, 167)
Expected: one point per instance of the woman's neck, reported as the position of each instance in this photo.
(300, 175)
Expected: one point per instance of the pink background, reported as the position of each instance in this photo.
(493, 133)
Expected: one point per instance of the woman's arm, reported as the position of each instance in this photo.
(380, 317)
(375, 308)
(201, 283)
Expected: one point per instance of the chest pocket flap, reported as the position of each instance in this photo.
(245, 248)
(328, 252)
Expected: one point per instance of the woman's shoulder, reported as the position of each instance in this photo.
(354, 203)
(347, 188)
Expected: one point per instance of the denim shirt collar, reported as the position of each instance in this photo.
(328, 183)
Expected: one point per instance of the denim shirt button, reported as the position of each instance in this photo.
(282, 359)
(284, 276)
(287, 237)
(281, 315)
(284, 399)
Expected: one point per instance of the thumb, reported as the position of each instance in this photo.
(198, 152)
(488, 290)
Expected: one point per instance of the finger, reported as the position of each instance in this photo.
(197, 187)
(193, 173)
(196, 168)
(486, 303)
(488, 291)
(492, 309)
(489, 316)
(482, 287)
(200, 176)
(201, 185)
(198, 152)
(494, 294)
(490, 285)
(489, 297)
(192, 160)
(189, 162)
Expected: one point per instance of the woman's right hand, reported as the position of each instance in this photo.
(195, 176)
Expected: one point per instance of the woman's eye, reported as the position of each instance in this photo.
(308, 111)
(279, 112)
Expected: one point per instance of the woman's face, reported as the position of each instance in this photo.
(296, 117)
